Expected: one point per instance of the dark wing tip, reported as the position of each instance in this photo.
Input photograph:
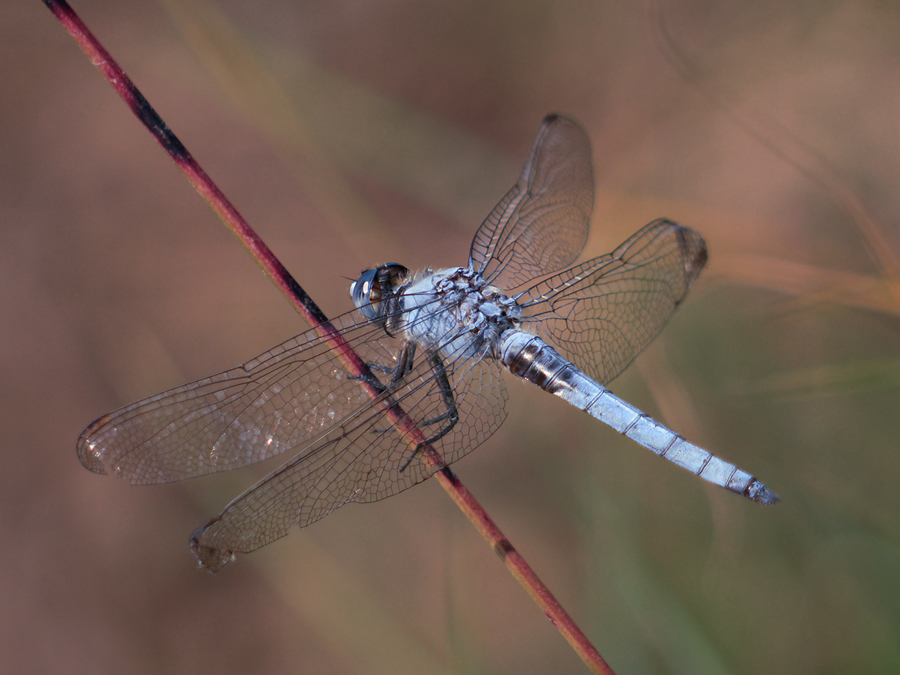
(693, 249)
(558, 118)
(700, 258)
(89, 454)
(211, 559)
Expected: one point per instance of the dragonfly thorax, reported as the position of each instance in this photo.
(456, 312)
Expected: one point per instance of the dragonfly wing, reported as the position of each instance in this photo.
(541, 225)
(364, 459)
(602, 313)
(273, 403)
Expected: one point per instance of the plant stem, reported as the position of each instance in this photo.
(305, 305)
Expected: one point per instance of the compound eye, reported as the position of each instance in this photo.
(376, 285)
(362, 290)
(394, 275)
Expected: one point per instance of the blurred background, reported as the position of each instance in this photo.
(351, 133)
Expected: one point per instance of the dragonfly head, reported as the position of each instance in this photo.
(374, 288)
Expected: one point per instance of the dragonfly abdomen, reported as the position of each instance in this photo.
(532, 359)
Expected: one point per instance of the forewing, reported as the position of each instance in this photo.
(273, 403)
(602, 313)
(541, 225)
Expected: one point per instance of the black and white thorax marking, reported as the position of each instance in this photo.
(453, 311)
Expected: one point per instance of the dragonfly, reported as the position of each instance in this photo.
(435, 344)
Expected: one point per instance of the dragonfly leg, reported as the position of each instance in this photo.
(404, 366)
(450, 416)
(397, 372)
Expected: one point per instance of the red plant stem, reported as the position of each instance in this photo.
(305, 305)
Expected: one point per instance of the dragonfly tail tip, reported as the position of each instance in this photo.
(761, 494)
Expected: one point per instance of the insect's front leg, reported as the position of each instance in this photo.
(450, 416)
(404, 365)
(404, 362)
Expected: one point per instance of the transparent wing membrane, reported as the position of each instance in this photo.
(298, 397)
(362, 462)
(602, 313)
(271, 404)
(541, 225)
